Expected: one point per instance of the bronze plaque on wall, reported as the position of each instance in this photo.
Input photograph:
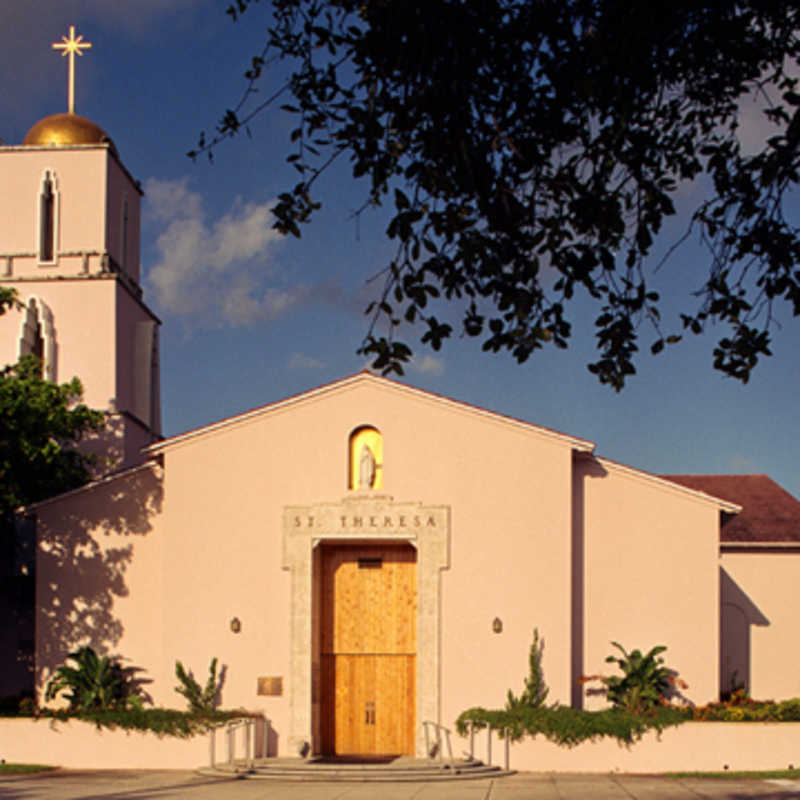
(272, 687)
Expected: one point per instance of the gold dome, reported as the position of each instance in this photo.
(60, 130)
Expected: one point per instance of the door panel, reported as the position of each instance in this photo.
(369, 600)
(373, 704)
(368, 650)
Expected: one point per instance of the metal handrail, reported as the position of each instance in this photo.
(431, 752)
(489, 729)
(231, 727)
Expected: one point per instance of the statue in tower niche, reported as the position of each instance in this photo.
(366, 468)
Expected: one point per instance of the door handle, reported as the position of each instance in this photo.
(369, 713)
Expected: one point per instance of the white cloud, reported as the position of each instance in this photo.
(169, 200)
(301, 361)
(216, 269)
(428, 365)
(221, 271)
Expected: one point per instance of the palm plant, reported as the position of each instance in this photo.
(97, 683)
(644, 679)
(202, 700)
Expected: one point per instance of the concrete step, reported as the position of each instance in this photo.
(401, 770)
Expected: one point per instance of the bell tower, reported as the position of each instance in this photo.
(69, 245)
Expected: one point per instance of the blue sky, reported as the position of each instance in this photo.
(250, 317)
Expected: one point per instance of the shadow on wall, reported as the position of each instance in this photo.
(738, 614)
(106, 446)
(118, 444)
(17, 593)
(80, 566)
(584, 467)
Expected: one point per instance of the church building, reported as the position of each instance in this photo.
(364, 557)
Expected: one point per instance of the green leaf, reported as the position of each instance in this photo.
(532, 150)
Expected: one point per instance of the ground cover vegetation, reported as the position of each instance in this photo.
(756, 775)
(101, 691)
(532, 151)
(642, 698)
(569, 726)
(160, 721)
(739, 707)
(22, 769)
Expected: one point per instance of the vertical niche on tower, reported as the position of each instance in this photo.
(47, 218)
(37, 336)
(365, 459)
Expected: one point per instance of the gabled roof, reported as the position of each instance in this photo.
(93, 484)
(665, 482)
(769, 513)
(368, 378)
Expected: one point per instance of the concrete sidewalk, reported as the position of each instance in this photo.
(172, 785)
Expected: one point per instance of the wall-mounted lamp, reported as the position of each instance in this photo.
(497, 625)
(236, 624)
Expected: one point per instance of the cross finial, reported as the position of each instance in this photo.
(70, 47)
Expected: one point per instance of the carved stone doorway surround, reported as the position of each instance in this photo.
(364, 516)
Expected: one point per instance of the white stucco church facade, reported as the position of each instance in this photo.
(364, 556)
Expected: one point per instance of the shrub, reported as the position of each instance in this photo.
(535, 692)
(528, 715)
(201, 700)
(644, 683)
(161, 721)
(97, 683)
(568, 726)
(741, 708)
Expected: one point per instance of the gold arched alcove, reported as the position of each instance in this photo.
(365, 457)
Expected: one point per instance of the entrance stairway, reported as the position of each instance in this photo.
(400, 769)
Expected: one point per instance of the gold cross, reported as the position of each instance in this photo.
(70, 47)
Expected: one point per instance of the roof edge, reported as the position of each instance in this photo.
(723, 505)
(576, 443)
(757, 546)
(112, 476)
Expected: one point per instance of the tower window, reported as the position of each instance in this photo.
(47, 218)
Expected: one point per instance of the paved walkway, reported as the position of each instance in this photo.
(174, 785)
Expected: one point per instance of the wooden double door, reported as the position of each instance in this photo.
(368, 645)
